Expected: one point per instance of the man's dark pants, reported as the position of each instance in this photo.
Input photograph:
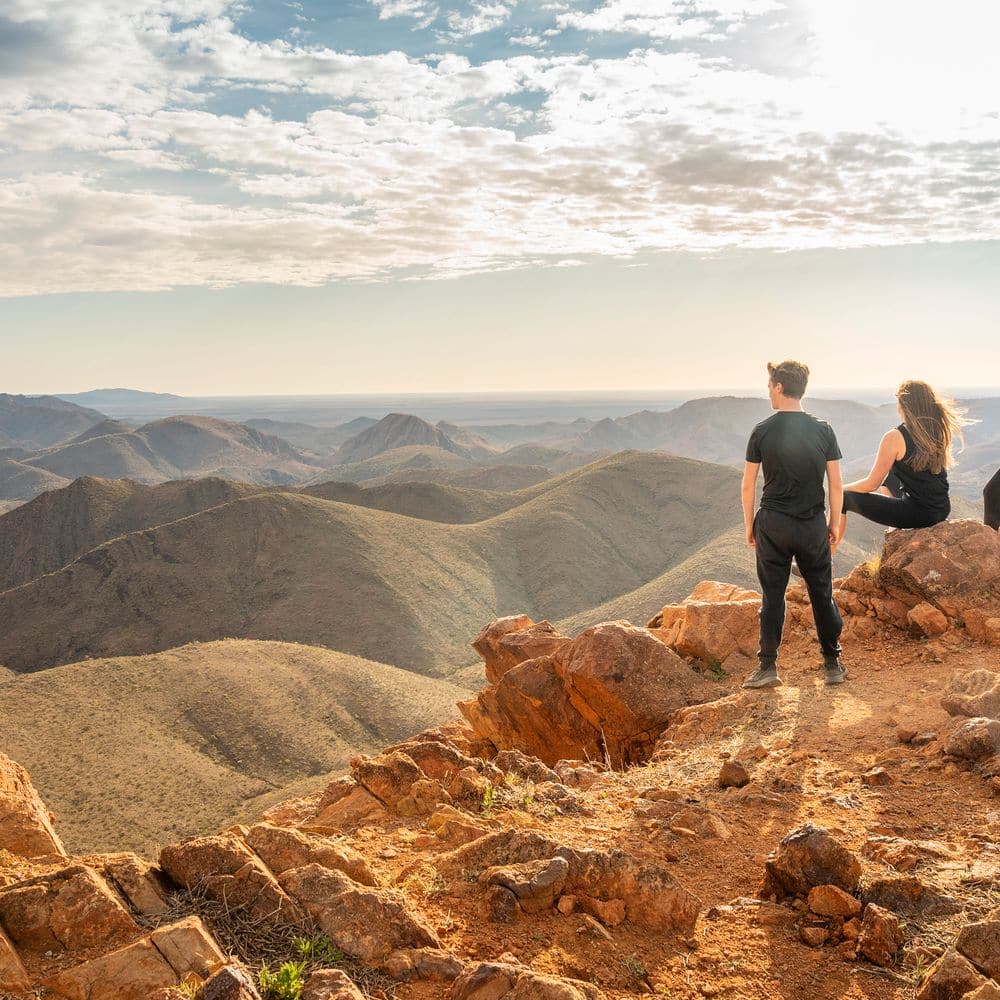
(778, 538)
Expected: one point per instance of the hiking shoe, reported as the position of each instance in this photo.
(834, 672)
(764, 677)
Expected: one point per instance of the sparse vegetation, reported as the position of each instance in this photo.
(715, 669)
(318, 949)
(284, 984)
(634, 967)
(488, 800)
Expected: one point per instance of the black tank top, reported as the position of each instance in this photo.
(929, 489)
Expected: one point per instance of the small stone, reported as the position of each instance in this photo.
(880, 936)
(590, 924)
(831, 901)
(980, 944)
(566, 905)
(733, 775)
(500, 905)
(905, 735)
(950, 977)
(851, 929)
(927, 620)
(814, 936)
(876, 776)
(922, 739)
(331, 984)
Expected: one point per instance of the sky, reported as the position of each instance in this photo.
(280, 196)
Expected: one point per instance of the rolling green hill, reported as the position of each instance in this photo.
(378, 584)
(136, 751)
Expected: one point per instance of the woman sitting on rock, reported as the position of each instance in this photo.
(908, 484)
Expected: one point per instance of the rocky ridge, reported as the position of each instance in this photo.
(613, 816)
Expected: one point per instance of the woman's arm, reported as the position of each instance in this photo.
(891, 448)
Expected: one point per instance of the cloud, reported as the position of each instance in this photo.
(673, 19)
(131, 161)
(422, 11)
(482, 16)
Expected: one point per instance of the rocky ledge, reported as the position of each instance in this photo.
(612, 816)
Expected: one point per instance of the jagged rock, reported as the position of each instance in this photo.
(577, 774)
(626, 684)
(467, 786)
(411, 964)
(156, 961)
(832, 901)
(230, 983)
(907, 894)
(137, 881)
(281, 849)
(292, 812)
(950, 978)
(331, 984)
(950, 565)
(536, 884)
(530, 710)
(455, 827)
(925, 619)
(698, 722)
(709, 629)
(814, 936)
(610, 912)
(441, 761)
(500, 904)
(652, 896)
(426, 795)
(487, 641)
(980, 944)
(529, 768)
(389, 776)
(492, 980)
(700, 821)
(364, 922)
(876, 777)
(227, 869)
(988, 991)
(26, 826)
(983, 624)
(512, 648)
(880, 935)
(807, 857)
(13, 977)
(974, 740)
(733, 775)
(355, 808)
(974, 695)
(71, 909)
(338, 789)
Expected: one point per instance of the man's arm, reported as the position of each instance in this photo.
(836, 492)
(749, 495)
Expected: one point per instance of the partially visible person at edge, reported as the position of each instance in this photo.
(908, 484)
(796, 451)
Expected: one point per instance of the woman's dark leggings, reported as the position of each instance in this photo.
(897, 511)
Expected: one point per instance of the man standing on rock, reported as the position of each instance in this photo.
(796, 451)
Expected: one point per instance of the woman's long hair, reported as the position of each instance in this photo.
(933, 422)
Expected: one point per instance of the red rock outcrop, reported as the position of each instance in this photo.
(26, 826)
(606, 694)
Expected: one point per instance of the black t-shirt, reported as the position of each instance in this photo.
(793, 447)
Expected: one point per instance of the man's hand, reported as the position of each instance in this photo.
(751, 541)
(834, 531)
